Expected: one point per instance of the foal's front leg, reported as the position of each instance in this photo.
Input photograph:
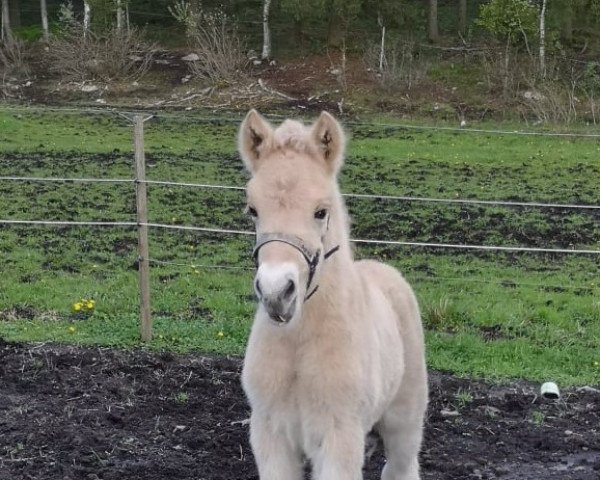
(340, 455)
(275, 457)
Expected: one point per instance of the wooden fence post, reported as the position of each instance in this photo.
(142, 220)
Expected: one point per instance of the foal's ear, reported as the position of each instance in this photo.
(254, 139)
(330, 139)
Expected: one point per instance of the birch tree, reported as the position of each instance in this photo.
(266, 49)
(6, 33)
(119, 15)
(87, 15)
(543, 40)
(44, 14)
(381, 23)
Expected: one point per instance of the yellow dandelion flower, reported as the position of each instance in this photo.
(90, 304)
(77, 306)
(220, 334)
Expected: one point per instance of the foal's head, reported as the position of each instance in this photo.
(294, 201)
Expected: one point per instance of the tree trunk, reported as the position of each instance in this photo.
(543, 40)
(119, 16)
(432, 29)
(6, 33)
(382, 51)
(87, 14)
(266, 50)
(505, 86)
(44, 13)
(462, 16)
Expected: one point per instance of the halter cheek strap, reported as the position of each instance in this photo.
(312, 258)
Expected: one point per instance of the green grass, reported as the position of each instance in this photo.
(488, 315)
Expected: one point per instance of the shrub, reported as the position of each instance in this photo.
(511, 21)
(402, 66)
(12, 58)
(213, 36)
(113, 55)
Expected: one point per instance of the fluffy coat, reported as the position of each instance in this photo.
(352, 357)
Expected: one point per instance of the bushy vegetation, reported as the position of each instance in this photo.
(214, 38)
(114, 55)
(13, 58)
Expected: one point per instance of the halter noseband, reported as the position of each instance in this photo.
(312, 258)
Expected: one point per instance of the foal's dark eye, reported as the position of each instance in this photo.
(252, 212)
(321, 214)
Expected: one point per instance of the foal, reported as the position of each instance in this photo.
(336, 347)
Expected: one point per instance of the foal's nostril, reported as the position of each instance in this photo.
(257, 288)
(289, 290)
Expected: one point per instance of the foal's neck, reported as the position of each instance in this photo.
(337, 272)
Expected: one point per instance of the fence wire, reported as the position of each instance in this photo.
(127, 116)
(190, 228)
(195, 266)
(406, 272)
(502, 203)
(404, 198)
(67, 180)
(236, 118)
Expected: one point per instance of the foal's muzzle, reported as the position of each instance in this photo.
(276, 287)
(277, 294)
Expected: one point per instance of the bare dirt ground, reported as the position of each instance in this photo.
(73, 413)
(303, 85)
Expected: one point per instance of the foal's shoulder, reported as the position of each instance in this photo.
(395, 288)
(379, 272)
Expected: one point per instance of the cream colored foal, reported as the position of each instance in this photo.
(336, 347)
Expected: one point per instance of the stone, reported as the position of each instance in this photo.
(192, 57)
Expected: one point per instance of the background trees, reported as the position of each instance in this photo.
(510, 45)
(313, 25)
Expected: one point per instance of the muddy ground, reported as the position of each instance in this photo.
(73, 413)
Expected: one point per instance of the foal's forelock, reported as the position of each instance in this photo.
(294, 136)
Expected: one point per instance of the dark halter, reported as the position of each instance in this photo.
(312, 258)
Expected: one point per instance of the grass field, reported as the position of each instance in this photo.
(494, 315)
